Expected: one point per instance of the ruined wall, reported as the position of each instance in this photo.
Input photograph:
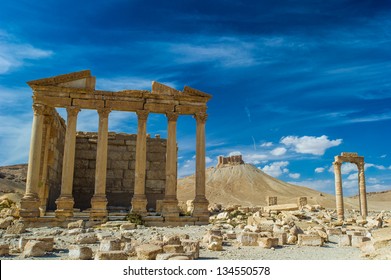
(230, 160)
(120, 170)
(55, 158)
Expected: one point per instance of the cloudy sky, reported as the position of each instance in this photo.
(294, 83)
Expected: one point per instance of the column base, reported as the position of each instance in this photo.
(170, 208)
(64, 207)
(98, 208)
(139, 205)
(29, 206)
(200, 208)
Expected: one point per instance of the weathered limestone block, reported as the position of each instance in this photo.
(248, 238)
(148, 251)
(267, 242)
(111, 255)
(86, 238)
(282, 237)
(174, 256)
(295, 230)
(76, 224)
(302, 201)
(127, 226)
(74, 231)
(173, 249)
(323, 234)
(171, 240)
(34, 248)
(292, 239)
(358, 240)
(281, 207)
(104, 235)
(4, 249)
(271, 200)
(345, 240)
(111, 244)
(310, 240)
(47, 242)
(120, 164)
(222, 216)
(230, 235)
(215, 246)
(80, 252)
(6, 222)
(191, 246)
(16, 228)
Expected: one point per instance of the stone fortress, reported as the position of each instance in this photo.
(98, 171)
(230, 160)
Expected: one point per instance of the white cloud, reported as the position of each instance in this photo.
(380, 167)
(278, 151)
(346, 168)
(208, 160)
(319, 169)
(276, 169)
(310, 144)
(13, 54)
(294, 175)
(254, 158)
(353, 176)
(267, 144)
(234, 153)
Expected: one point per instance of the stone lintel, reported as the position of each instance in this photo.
(88, 104)
(130, 106)
(159, 108)
(189, 110)
(53, 101)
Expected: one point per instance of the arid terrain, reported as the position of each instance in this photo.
(241, 225)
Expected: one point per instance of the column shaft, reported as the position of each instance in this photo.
(338, 191)
(170, 202)
(43, 186)
(99, 200)
(30, 202)
(200, 202)
(65, 202)
(139, 200)
(362, 190)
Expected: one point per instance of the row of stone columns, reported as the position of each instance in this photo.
(30, 202)
(339, 192)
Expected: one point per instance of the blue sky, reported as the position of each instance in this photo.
(294, 83)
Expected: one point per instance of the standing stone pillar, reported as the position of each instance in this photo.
(65, 202)
(99, 200)
(139, 200)
(170, 203)
(362, 190)
(200, 202)
(29, 204)
(43, 185)
(338, 190)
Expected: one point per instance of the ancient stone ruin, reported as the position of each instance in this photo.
(67, 169)
(359, 161)
(230, 160)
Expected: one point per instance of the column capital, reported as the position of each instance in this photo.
(142, 114)
(172, 116)
(72, 111)
(360, 165)
(39, 109)
(201, 117)
(104, 112)
(337, 163)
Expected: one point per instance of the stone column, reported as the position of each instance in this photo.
(170, 203)
(43, 185)
(139, 200)
(29, 204)
(200, 202)
(65, 202)
(338, 190)
(99, 200)
(362, 190)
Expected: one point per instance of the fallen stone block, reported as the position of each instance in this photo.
(358, 240)
(230, 235)
(292, 239)
(191, 246)
(127, 226)
(74, 231)
(267, 242)
(248, 239)
(103, 235)
(6, 222)
(171, 240)
(309, 240)
(282, 237)
(111, 255)
(16, 228)
(4, 249)
(222, 216)
(281, 207)
(111, 244)
(173, 249)
(76, 224)
(86, 238)
(215, 246)
(80, 252)
(34, 248)
(174, 256)
(345, 240)
(148, 251)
